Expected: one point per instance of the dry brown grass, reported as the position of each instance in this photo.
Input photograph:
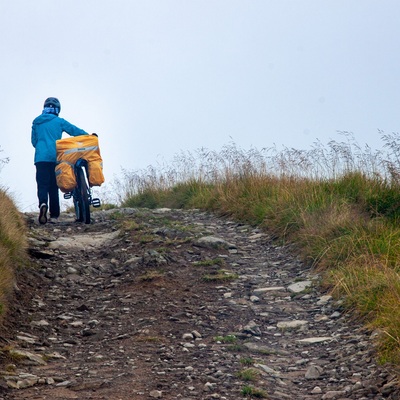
(371, 288)
(12, 248)
(339, 202)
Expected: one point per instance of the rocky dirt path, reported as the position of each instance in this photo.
(178, 305)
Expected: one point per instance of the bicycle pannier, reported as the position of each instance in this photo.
(96, 177)
(65, 176)
(87, 147)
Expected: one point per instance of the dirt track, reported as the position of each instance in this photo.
(178, 305)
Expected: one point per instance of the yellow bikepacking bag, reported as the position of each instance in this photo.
(65, 176)
(71, 149)
(96, 177)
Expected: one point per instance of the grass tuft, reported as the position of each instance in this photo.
(208, 263)
(221, 275)
(248, 361)
(253, 392)
(249, 375)
(226, 339)
(152, 275)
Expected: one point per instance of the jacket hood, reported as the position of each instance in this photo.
(44, 118)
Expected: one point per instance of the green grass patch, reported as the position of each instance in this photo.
(221, 275)
(248, 361)
(226, 339)
(144, 238)
(129, 225)
(208, 263)
(253, 392)
(248, 375)
(236, 348)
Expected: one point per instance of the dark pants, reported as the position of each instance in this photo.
(47, 189)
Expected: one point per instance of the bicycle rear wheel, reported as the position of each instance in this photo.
(82, 205)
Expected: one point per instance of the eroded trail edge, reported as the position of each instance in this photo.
(177, 304)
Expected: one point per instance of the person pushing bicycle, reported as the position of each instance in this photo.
(46, 129)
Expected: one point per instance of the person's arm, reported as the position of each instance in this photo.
(71, 129)
(33, 136)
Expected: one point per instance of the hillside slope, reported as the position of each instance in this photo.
(178, 304)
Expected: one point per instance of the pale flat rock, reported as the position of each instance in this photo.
(39, 323)
(268, 289)
(26, 339)
(161, 210)
(319, 318)
(267, 369)
(316, 390)
(156, 394)
(252, 328)
(213, 242)
(55, 355)
(315, 340)
(299, 287)
(323, 300)
(313, 372)
(259, 348)
(256, 236)
(291, 324)
(82, 242)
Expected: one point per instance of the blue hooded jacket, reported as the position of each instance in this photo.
(46, 129)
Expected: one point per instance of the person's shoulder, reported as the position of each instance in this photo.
(58, 120)
(44, 118)
(40, 116)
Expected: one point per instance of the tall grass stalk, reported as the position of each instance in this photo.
(339, 202)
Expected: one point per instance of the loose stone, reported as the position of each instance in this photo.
(323, 300)
(316, 390)
(299, 287)
(291, 324)
(187, 336)
(313, 372)
(267, 369)
(314, 340)
(268, 289)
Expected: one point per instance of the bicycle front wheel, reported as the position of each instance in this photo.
(83, 200)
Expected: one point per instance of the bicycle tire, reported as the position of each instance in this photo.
(83, 201)
(76, 206)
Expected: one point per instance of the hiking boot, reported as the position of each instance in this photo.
(43, 214)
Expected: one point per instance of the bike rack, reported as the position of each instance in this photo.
(96, 202)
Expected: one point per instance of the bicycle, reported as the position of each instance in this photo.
(82, 193)
(79, 167)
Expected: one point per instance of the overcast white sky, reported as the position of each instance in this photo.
(154, 77)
